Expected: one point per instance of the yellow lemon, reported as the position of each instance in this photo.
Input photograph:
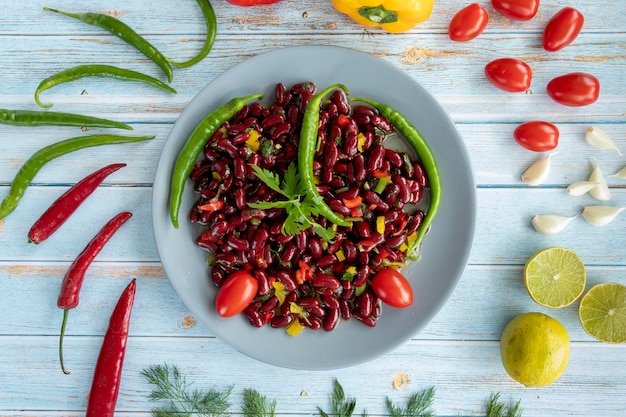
(534, 349)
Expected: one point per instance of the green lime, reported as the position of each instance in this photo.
(554, 277)
(534, 349)
(602, 312)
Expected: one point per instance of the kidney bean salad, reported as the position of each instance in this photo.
(313, 241)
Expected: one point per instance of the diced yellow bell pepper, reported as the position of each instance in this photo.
(253, 141)
(391, 15)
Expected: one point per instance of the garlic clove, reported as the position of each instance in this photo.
(601, 215)
(621, 174)
(597, 137)
(581, 187)
(600, 191)
(549, 224)
(538, 172)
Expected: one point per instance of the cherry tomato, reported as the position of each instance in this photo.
(562, 29)
(392, 288)
(574, 89)
(517, 9)
(236, 293)
(537, 136)
(468, 23)
(509, 74)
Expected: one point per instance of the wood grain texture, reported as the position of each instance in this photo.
(457, 352)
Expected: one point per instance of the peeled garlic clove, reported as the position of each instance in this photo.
(549, 224)
(600, 191)
(601, 215)
(581, 187)
(538, 172)
(621, 174)
(600, 139)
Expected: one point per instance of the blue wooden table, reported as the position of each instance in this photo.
(457, 353)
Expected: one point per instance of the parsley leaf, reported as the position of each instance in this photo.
(301, 208)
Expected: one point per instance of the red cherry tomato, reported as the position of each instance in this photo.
(236, 293)
(392, 288)
(562, 29)
(537, 136)
(575, 89)
(509, 74)
(468, 23)
(517, 9)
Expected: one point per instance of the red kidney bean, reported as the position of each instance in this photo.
(326, 281)
(330, 301)
(331, 319)
(420, 174)
(368, 111)
(313, 323)
(281, 321)
(363, 229)
(316, 311)
(381, 123)
(365, 303)
(350, 145)
(338, 206)
(289, 251)
(341, 101)
(287, 280)
(269, 305)
(345, 309)
(326, 261)
(280, 129)
(308, 302)
(376, 157)
(302, 241)
(362, 275)
(372, 198)
(351, 129)
(315, 248)
(358, 163)
(361, 119)
(254, 316)
(217, 276)
(367, 320)
(264, 282)
(394, 158)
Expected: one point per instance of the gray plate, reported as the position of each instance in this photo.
(445, 250)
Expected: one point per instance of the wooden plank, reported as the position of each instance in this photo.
(159, 311)
(464, 375)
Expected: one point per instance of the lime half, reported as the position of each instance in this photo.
(602, 312)
(554, 277)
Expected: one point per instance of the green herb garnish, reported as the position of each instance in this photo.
(180, 399)
(301, 208)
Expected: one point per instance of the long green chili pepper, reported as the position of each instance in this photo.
(49, 118)
(211, 32)
(32, 166)
(97, 70)
(417, 141)
(125, 33)
(194, 145)
(306, 154)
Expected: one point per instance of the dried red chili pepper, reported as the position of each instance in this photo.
(105, 386)
(68, 203)
(73, 280)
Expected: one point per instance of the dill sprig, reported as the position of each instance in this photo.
(418, 405)
(180, 399)
(496, 408)
(257, 405)
(339, 404)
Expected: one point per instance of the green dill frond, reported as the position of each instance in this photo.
(418, 405)
(257, 405)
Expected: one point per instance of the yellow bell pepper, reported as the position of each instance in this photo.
(391, 15)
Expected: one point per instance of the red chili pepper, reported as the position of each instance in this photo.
(67, 204)
(251, 2)
(73, 280)
(105, 386)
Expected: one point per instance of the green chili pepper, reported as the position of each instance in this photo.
(417, 141)
(306, 154)
(211, 32)
(194, 145)
(109, 71)
(32, 166)
(125, 33)
(49, 118)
